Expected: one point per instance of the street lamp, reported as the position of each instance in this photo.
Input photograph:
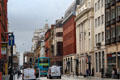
(11, 43)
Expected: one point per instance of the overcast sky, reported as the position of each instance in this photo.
(24, 16)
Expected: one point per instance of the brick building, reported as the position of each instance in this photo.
(47, 43)
(54, 43)
(69, 40)
(3, 36)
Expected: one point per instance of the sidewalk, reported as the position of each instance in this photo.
(88, 78)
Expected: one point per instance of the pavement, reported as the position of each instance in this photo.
(65, 77)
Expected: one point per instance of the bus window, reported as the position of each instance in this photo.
(43, 60)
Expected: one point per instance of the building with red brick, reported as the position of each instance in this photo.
(54, 43)
(47, 44)
(69, 40)
(3, 36)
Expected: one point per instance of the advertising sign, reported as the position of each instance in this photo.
(4, 49)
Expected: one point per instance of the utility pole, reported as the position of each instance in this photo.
(11, 44)
(11, 69)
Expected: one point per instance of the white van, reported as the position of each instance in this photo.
(29, 74)
(54, 72)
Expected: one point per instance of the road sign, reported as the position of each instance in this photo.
(11, 40)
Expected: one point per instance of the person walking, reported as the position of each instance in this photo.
(118, 73)
(113, 73)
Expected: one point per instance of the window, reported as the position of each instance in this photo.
(99, 61)
(107, 1)
(59, 48)
(59, 34)
(113, 33)
(98, 4)
(102, 3)
(103, 59)
(112, 14)
(30, 59)
(107, 34)
(107, 16)
(43, 60)
(95, 6)
(118, 11)
(98, 37)
(96, 62)
(102, 19)
(95, 22)
(98, 21)
(71, 64)
(102, 36)
(118, 30)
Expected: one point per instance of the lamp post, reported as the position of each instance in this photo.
(11, 44)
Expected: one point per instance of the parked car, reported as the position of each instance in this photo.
(54, 72)
(29, 74)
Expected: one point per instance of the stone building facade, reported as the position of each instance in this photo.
(85, 36)
(99, 36)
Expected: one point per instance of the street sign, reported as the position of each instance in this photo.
(11, 40)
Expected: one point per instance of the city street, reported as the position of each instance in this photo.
(69, 78)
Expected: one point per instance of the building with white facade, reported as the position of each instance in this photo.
(85, 35)
(99, 34)
(38, 41)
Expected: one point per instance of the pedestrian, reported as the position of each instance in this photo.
(87, 72)
(118, 73)
(113, 72)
